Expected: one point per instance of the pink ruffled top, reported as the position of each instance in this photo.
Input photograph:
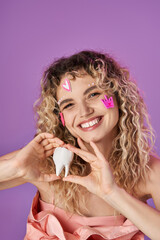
(45, 221)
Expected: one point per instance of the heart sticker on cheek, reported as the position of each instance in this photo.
(66, 85)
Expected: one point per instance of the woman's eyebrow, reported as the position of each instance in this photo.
(65, 101)
(85, 92)
(89, 89)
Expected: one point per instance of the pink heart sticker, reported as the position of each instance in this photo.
(66, 85)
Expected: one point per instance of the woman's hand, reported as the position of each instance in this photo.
(28, 160)
(100, 181)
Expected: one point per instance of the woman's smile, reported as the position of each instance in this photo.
(91, 124)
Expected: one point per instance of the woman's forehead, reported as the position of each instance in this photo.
(69, 85)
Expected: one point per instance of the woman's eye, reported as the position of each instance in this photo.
(68, 105)
(94, 94)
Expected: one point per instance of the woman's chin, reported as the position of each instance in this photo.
(91, 139)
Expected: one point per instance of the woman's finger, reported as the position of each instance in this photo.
(85, 155)
(103, 163)
(81, 144)
(48, 177)
(44, 142)
(97, 152)
(51, 146)
(49, 153)
(56, 141)
(42, 136)
(75, 179)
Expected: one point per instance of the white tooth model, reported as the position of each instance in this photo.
(62, 157)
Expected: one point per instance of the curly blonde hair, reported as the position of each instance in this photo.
(131, 149)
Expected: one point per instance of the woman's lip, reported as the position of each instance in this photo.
(89, 120)
(92, 127)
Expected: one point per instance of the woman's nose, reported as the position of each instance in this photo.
(85, 110)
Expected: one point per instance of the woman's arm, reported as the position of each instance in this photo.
(7, 168)
(24, 165)
(8, 173)
(101, 182)
(146, 218)
(11, 183)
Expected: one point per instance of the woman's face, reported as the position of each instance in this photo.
(84, 113)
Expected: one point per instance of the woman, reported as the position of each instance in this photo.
(90, 104)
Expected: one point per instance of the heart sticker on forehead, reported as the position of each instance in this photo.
(66, 85)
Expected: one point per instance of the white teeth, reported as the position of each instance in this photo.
(91, 123)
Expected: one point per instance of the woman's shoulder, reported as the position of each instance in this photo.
(153, 177)
(154, 162)
(151, 184)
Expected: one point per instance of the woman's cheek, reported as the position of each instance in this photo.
(67, 118)
(69, 123)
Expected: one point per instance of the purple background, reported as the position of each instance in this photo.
(33, 33)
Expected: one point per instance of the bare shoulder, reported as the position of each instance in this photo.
(154, 173)
(153, 180)
(146, 189)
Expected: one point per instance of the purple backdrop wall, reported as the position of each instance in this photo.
(33, 33)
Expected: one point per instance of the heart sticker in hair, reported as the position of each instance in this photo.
(66, 85)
